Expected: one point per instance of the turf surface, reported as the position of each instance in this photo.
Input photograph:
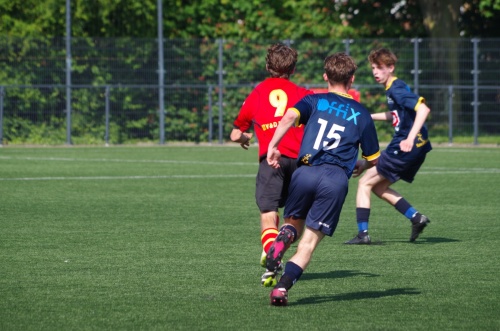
(167, 238)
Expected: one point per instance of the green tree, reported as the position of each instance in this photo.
(253, 19)
(480, 18)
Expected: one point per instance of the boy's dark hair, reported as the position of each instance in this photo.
(339, 68)
(281, 60)
(382, 56)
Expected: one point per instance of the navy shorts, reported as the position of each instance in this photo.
(395, 169)
(317, 195)
(271, 189)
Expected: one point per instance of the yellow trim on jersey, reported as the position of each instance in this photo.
(345, 95)
(297, 120)
(371, 157)
(420, 100)
(390, 83)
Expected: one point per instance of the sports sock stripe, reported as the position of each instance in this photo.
(267, 238)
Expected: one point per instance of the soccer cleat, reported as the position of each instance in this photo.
(278, 249)
(269, 278)
(263, 259)
(279, 297)
(418, 227)
(365, 240)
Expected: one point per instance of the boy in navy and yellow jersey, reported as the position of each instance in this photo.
(403, 156)
(335, 127)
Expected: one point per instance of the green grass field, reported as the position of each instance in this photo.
(167, 238)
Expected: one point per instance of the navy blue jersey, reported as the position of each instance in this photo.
(403, 104)
(335, 126)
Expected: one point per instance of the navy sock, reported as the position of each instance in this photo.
(362, 217)
(290, 276)
(405, 208)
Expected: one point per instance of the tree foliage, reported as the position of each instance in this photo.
(114, 43)
(253, 19)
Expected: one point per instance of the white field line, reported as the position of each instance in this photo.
(447, 170)
(64, 159)
(127, 177)
(423, 171)
(61, 159)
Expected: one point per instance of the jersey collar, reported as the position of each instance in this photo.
(345, 95)
(390, 83)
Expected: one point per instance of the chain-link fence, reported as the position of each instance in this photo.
(111, 94)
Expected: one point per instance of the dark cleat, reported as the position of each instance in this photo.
(278, 249)
(365, 240)
(418, 227)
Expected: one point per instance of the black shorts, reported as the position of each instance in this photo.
(395, 169)
(272, 184)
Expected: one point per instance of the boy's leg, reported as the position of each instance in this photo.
(366, 184)
(289, 233)
(419, 221)
(296, 266)
(269, 222)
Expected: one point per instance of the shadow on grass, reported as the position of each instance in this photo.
(424, 240)
(336, 274)
(356, 296)
(436, 240)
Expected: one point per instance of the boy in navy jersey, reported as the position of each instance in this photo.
(403, 156)
(335, 127)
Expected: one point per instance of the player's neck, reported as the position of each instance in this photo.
(339, 88)
(389, 81)
(338, 91)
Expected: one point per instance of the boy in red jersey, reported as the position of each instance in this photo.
(264, 107)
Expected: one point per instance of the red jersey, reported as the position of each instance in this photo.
(265, 107)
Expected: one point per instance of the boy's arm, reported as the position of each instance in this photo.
(362, 165)
(273, 154)
(422, 113)
(386, 116)
(242, 138)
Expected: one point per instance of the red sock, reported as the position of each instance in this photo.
(267, 238)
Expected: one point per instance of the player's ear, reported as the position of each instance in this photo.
(349, 83)
(325, 77)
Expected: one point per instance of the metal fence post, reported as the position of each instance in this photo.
(161, 74)
(475, 102)
(210, 119)
(1, 115)
(68, 72)
(106, 95)
(450, 114)
(416, 71)
(221, 84)
(347, 42)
